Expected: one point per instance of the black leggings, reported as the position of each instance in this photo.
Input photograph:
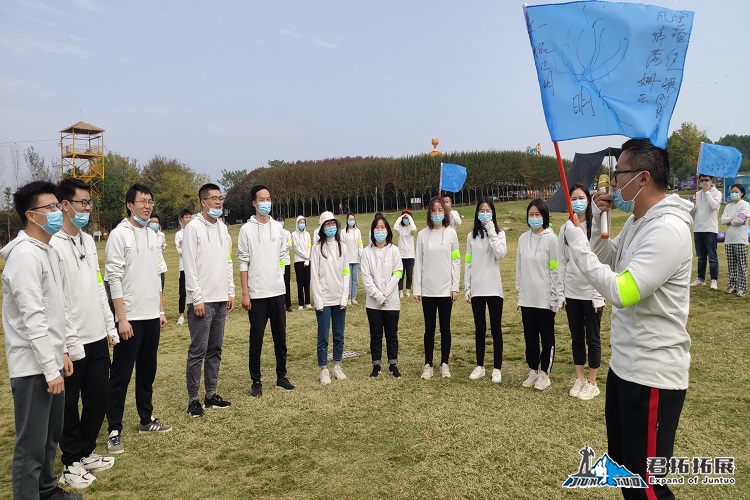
(495, 306)
(182, 292)
(443, 307)
(537, 323)
(302, 275)
(382, 321)
(584, 323)
(408, 273)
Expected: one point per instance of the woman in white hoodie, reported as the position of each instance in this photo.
(485, 247)
(405, 228)
(381, 272)
(536, 282)
(329, 271)
(735, 218)
(352, 238)
(582, 303)
(301, 243)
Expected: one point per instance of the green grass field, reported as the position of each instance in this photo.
(385, 438)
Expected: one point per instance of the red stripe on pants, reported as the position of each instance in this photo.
(653, 420)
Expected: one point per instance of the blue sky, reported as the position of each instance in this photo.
(233, 84)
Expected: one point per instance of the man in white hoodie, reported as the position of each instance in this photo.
(645, 273)
(132, 270)
(261, 250)
(209, 282)
(706, 211)
(41, 342)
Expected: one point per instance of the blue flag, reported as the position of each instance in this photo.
(719, 161)
(608, 68)
(452, 177)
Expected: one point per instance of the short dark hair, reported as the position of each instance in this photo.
(447, 195)
(185, 211)
(740, 187)
(705, 175)
(378, 217)
(438, 200)
(542, 207)
(479, 229)
(27, 197)
(589, 213)
(66, 188)
(255, 189)
(646, 157)
(155, 216)
(133, 192)
(203, 191)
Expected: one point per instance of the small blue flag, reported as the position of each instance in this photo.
(608, 68)
(719, 161)
(452, 177)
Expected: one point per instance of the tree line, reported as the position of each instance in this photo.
(684, 143)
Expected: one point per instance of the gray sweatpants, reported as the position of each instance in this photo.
(39, 425)
(206, 341)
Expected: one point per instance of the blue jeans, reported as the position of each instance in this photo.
(324, 317)
(354, 273)
(705, 247)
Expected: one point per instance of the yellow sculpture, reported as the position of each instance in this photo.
(435, 151)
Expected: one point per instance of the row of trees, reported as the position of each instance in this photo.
(684, 143)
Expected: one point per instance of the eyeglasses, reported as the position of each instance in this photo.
(618, 172)
(52, 207)
(215, 198)
(84, 203)
(145, 202)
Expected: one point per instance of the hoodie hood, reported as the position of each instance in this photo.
(672, 205)
(299, 218)
(22, 236)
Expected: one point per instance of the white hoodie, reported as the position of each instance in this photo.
(645, 273)
(35, 316)
(83, 281)
(481, 271)
(353, 241)
(261, 250)
(329, 275)
(536, 270)
(736, 231)
(571, 283)
(207, 257)
(178, 236)
(405, 236)
(381, 270)
(301, 242)
(132, 270)
(162, 241)
(706, 210)
(437, 266)
(288, 239)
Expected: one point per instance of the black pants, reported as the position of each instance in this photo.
(408, 273)
(584, 323)
(90, 380)
(261, 311)
(495, 306)
(140, 351)
(383, 321)
(538, 323)
(302, 274)
(443, 307)
(162, 281)
(287, 283)
(183, 294)
(641, 423)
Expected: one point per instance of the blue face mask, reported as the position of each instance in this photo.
(622, 205)
(215, 213)
(579, 206)
(301, 227)
(380, 236)
(264, 208)
(405, 221)
(736, 196)
(484, 217)
(437, 219)
(535, 222)
(330, 231)
(154, 226)
(351, 222)
(54, 222)
(142, 222)
(80, 219)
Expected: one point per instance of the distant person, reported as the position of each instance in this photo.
(454, 218)
(302, 244)
(209, 281)
(287, 266)
(536, 282)
(185, 217)
(329, 270)
(38, 350)
(155, 226)
(705, 213)
(261, 250)
(437, 271)
(405, 228)
(582, 303)
(381, 272)
(735, 217)
(352, 238)
(132, 270)
(485, 248)
(93, 320)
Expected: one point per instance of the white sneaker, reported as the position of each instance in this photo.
(349, 302)
(401, 294)
(354, 301)
(531, 379)
(308, 306)
(181, 320)
(714, 285)
(96, 463)
(300, 308)
(542, 381)
(589, 391)
(731, 290)
(444, 371)
(697, 282)
(477, 373)
(497, 376)
(77, 476)
(408, 293)
(577, 386)
(427, 372)
(338, 373)
(325, 377)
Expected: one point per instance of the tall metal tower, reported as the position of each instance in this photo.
(82, 157)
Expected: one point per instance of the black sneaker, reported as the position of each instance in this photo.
(216, 401)
(283, 383)
(195, 409)
(60, 494)
(394, 371)
(375, 371)
(256, 390)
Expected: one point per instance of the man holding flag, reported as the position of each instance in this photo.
(706, 211)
